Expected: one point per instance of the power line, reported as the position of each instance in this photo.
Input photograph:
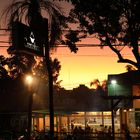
(9, 29)
(78, 45)
(4, 46)
(84, 55)
(4, 34)
(5, 42)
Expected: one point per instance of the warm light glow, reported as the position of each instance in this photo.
(29, 79)
(113, 82)
(124, 110)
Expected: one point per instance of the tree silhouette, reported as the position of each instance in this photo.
(99, 85)
(30, 12)
(130, 68)
(40, 70)
(115, 23)
(3, 71)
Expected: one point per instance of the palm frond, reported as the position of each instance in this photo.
(29, 11)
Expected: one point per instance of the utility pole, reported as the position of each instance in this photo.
(112, 117)
(50, 83)
(29, 80)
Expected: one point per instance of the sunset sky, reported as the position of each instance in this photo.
(87, 64)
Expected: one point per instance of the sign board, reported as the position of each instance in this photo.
(29, 40)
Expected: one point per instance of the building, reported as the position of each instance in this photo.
(125, 94)
(78, 107)
(70, 106)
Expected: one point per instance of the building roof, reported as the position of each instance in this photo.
(14, 97)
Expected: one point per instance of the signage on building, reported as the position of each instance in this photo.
(27, 39)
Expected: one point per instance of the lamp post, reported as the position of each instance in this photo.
(113, 82)
(29, 80)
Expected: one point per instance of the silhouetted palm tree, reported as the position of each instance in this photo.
(3, 71)
(98, 85)
(32, 12)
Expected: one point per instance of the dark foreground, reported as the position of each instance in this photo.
(69, 136)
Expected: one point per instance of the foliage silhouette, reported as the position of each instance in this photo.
(115, 23)
(29, 12)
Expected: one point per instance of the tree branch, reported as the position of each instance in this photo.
(120, 57)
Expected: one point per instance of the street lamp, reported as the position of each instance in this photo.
(29, 80)
(114, 82)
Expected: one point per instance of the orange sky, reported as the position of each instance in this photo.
(88, 64)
